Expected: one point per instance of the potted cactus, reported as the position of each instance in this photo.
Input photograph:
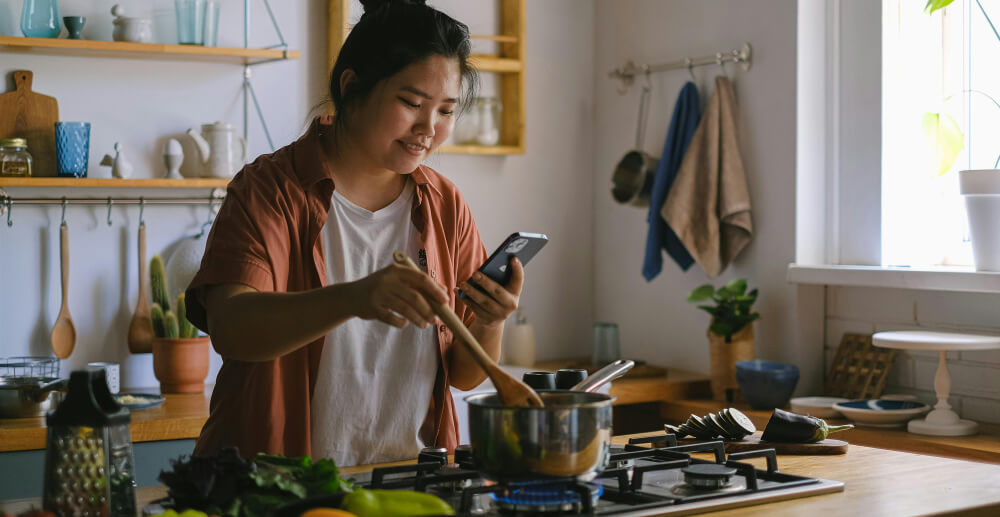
(180, 355)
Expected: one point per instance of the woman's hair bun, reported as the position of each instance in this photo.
(374, 5)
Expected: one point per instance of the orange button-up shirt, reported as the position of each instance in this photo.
(266, 236)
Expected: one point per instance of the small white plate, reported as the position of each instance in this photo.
(821, 407)
(881, 413)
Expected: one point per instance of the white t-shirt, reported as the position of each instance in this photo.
(374, 384)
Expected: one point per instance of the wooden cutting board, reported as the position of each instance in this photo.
(753, 443)
(30, 115)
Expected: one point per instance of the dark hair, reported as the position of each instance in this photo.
(391, 35)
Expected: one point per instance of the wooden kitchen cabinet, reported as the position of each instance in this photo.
(509, 64)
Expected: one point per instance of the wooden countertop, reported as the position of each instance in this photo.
(877, 482)
(181, 416)
(984, 446)
(672, 385)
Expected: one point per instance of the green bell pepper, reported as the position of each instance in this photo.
(394, 503)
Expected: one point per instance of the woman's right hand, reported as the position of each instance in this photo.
(396, 294)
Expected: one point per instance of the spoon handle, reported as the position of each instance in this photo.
(142, 262)
(64, 257)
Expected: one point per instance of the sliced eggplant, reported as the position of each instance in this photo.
(742, 420)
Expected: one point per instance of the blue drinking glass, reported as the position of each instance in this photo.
(40, 18)
(190, 21)
(73, 148)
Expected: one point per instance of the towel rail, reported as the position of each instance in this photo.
(626, 74)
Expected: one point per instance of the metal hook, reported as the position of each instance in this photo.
(109, 210)
(63, 217)
(211, 216)
(690, 67)
(649, 83)
(10, 208)
(722, 64)
(142, 207)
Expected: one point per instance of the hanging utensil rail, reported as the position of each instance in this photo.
(7, 202)
(626, 74)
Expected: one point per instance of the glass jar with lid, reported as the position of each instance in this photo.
(15, 160)
(489, 109)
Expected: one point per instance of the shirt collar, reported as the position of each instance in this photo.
(313, 167)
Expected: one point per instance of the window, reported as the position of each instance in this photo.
(941, 63)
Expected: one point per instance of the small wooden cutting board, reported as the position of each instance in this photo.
(753, 443)
(30, 115)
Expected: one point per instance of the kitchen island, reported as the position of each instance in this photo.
(876, 482)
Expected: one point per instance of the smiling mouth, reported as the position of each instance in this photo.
(417, 148)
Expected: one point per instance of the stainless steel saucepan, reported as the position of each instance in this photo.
(28, 396)
(569, 437)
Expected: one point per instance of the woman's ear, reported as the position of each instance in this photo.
(346, 79)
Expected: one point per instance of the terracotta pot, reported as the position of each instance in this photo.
(181, 364)
(723, 358)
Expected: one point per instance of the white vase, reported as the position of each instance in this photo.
(981, 191)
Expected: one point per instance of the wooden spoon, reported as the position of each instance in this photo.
(140, 330)
(63, 331)
(511, 391)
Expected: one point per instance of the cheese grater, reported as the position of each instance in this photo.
(88, 458)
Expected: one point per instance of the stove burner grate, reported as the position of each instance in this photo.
(535, 497)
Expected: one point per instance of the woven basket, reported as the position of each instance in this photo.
(723, 356)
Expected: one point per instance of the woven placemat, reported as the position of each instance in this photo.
(859, 370)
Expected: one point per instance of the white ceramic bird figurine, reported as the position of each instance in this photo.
(120, 166)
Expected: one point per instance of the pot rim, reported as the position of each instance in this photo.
(600, 400)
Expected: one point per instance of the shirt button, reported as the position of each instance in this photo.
(434, 274)
(444, 329)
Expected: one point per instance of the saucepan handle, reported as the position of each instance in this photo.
(604, 375)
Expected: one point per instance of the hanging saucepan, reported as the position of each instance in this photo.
(569, 437)
(632, 181)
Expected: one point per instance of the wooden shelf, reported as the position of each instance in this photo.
(115, 183)
(481, 149)
(491, 63)
(94, 48)
(509, 63)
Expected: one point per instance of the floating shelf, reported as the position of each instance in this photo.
(480, 149)
(206, 183)
(94, 48)
(491, 63)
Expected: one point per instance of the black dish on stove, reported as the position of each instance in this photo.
(650, 474)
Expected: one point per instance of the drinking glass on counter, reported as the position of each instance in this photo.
(605, 347)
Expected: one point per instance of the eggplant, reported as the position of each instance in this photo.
(788, 427)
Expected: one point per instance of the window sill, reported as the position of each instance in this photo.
(962, 279)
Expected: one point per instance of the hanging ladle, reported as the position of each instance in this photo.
(512, 392)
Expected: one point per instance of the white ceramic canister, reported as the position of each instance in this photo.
(519, 349)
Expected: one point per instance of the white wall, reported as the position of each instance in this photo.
(657, 324)
(142, 103)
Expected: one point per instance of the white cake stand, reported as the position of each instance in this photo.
(942, 421)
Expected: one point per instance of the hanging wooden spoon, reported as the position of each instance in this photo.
(140, 330)
(63, 331)
(511, 391)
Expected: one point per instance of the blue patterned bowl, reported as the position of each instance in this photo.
(766, 384)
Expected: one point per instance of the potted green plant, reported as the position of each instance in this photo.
(180, 356)
(730, 332)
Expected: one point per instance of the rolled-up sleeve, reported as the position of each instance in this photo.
(244, 246)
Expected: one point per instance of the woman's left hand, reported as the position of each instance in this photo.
(495, 305)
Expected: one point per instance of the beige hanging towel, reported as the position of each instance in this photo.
(709, 205)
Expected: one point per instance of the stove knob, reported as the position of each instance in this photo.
(566, 378)
(433, 454)
(463, 456)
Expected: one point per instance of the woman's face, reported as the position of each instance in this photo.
(409, 114)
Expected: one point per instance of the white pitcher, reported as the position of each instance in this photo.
(216, 149)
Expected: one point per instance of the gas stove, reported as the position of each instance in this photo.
(649, 476)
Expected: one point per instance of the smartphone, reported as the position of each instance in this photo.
(521, 245)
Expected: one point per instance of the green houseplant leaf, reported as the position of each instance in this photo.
(701, 293)
(738, 286)
(944, 136)
(934, 5)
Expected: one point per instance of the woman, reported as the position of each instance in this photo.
(329, 348)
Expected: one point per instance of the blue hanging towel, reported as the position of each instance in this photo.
(687, 113)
